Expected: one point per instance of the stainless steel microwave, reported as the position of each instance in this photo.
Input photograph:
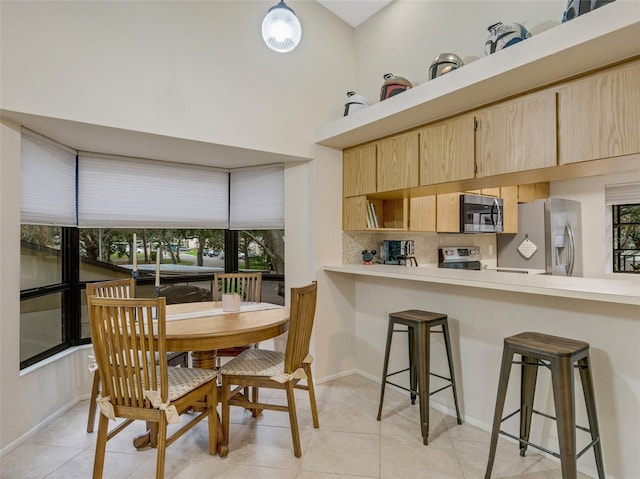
(480, 214)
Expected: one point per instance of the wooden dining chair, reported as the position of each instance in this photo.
(249, 285)
(118, 288)
(128, 335)
(276, 370)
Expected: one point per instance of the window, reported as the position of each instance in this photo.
(626, 238)
(623, 201)
(80, 214)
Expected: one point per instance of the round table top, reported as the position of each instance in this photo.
(203, 326)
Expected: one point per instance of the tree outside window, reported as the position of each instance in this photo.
(626, 238)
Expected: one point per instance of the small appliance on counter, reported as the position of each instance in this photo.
(354, 102)
(400, 252)
(548, 238)
(459, 257)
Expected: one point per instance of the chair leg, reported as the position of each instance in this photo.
(592, 414)
(527, 393)
(212, 420)
(452, 374)
(293, 419)
(421, 336)
(95, 389)
(226, 410)
(385, 366)
(503, 381)
(101, 446)
(255, 399)
(312, 395)
(162, 446)
(563, 398)
(413, 374)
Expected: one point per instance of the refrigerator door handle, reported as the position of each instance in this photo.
(571, 249)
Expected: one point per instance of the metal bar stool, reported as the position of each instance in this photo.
(419, 324)
(559, 355)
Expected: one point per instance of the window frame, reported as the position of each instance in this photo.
(72, 288)
(617, 260)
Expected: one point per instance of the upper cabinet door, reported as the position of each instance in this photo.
(599, 116)
(359, 171)
(447, 151)
(517, 135)
(398, 162)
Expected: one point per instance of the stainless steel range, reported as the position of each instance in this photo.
(459, 257)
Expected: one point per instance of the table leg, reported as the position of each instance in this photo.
(204, 359)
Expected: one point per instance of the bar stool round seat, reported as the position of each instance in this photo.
(559, 355)
(419, 324)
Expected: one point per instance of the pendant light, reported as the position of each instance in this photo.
(281, 28)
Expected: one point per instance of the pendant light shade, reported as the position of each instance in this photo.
(281, 28)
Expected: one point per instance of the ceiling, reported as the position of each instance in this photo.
(108, 140)
(354, 12)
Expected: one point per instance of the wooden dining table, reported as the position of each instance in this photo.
(203, 327)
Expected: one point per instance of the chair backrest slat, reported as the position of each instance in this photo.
(249, 284)
(116, 288)
(301, 318)
(128, 335)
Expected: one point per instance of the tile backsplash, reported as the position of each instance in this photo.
(426, 244)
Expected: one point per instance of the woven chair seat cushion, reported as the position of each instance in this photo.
(255, 362)
(184, 380)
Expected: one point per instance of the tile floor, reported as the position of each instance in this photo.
(349, 444)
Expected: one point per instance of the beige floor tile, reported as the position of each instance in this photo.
(324, 475)
(344, 453)
(265, 446)
(404, 456)
(33, 461)
(116, 466)
(508, 463)
(350, 444)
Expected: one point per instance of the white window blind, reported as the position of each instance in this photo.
(48, 182)
(257, 198)
(132, 192)
(623, 194)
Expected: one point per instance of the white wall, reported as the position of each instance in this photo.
(193, 70)
(405, 37)
(479, 320)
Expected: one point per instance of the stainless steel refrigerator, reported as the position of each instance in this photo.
(549, 238)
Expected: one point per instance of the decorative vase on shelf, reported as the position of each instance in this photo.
(231, 302)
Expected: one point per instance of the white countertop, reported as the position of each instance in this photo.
(625, 290)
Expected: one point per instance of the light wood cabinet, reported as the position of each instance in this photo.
(354, 213)
(533, 192)
(599, 116)
(447, 151)
(509, 195)
(359, 171)
(422, 213)
(448, 213)
(397, 165)
(516, 135)
(393, 215)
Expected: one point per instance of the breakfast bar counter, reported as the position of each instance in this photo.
(483, 308)
(625, 290)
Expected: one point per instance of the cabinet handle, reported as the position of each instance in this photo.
(477, 124)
